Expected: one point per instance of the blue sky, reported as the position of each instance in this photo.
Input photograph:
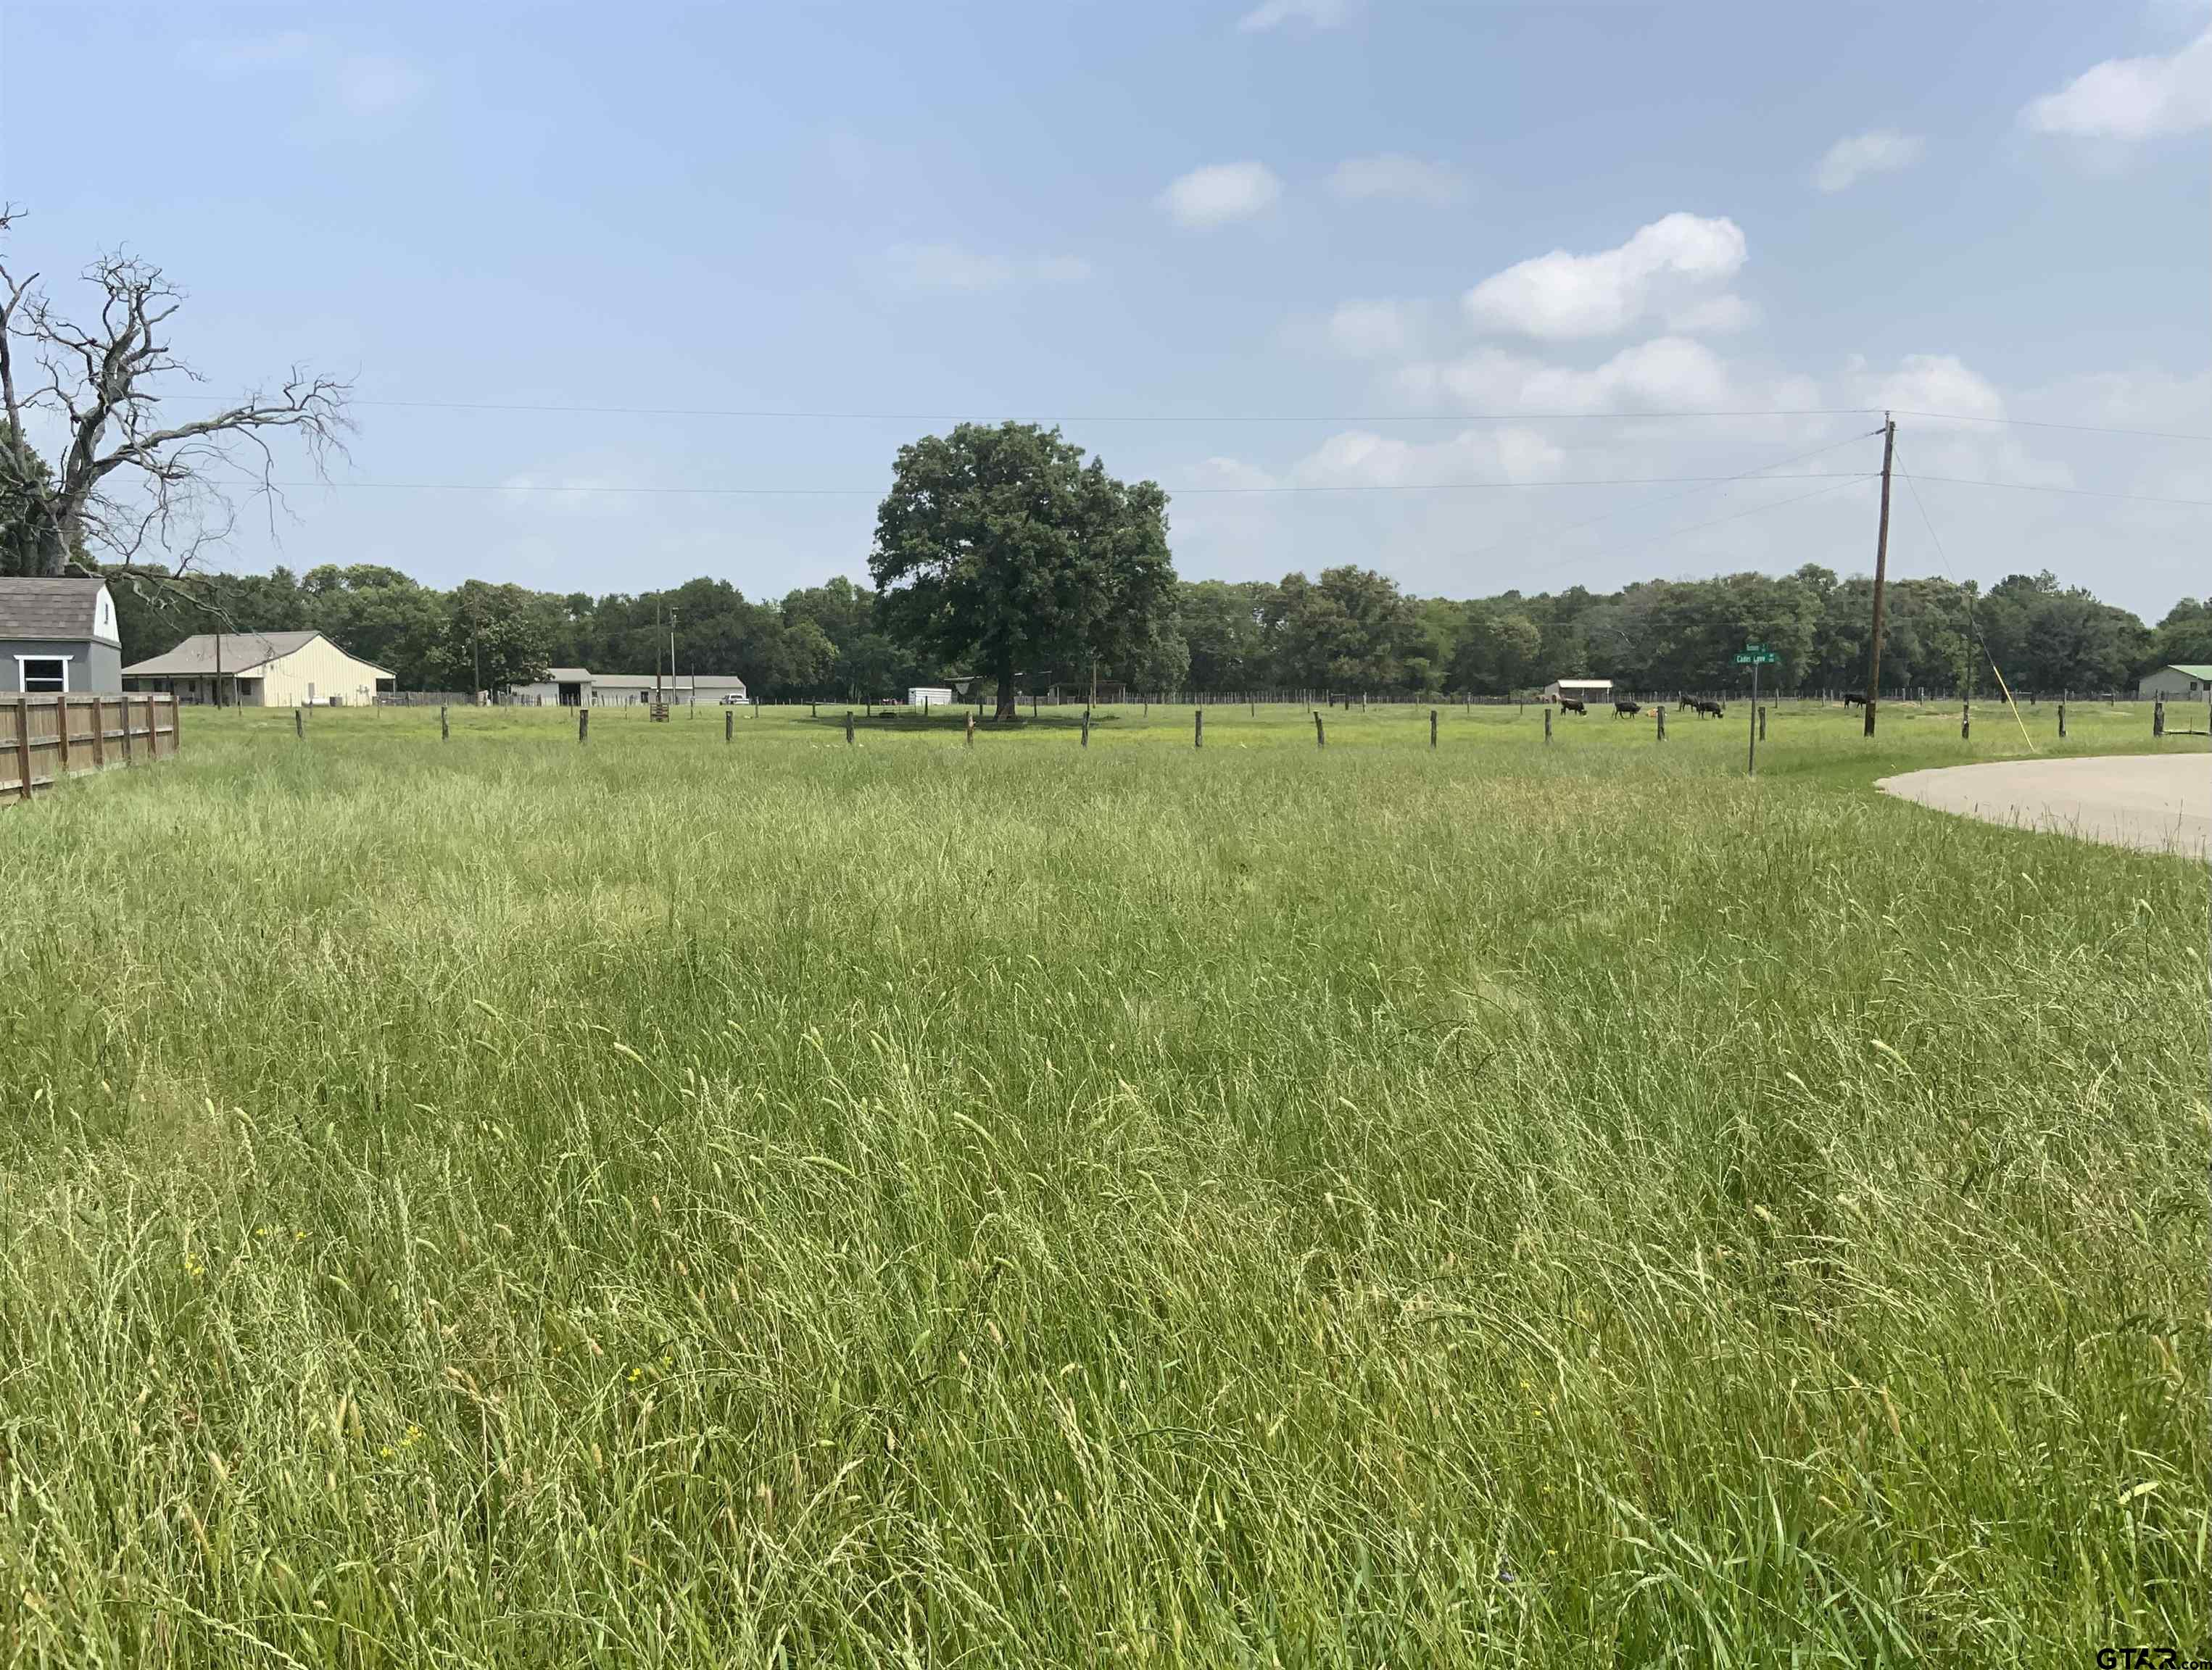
(1373, 280)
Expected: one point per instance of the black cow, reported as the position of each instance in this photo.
(1626, 709)
(1854, 701)
(1709, 709)
(1569, 705)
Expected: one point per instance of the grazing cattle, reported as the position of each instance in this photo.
(1709, 709)
(1568, 705)
(1626, 709)
(1854, 701)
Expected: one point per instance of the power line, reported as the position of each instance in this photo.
(1757, 471)
(780, 415)
(872, 492)
(2085, 492)
(770, 414)
(2037, 423)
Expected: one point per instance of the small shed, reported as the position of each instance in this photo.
(928, 696)
(1579, 690)
(2176, 678)
(58, 634)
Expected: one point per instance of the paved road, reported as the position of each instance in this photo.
(2159, 801)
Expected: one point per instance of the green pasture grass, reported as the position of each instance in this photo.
(671, 1201)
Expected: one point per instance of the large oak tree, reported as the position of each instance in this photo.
(1002, 548)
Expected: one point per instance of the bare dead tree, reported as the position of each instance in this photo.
(124, 485)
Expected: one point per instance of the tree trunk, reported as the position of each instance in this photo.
(1006, 704)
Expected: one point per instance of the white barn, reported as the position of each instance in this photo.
(259, 669)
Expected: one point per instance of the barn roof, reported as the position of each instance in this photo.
(234, 652)
(48, 608)
(2194, 669)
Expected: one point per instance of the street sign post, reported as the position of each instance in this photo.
(1755, 655)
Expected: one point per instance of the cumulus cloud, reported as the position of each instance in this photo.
(1313, 14)
(1850, 160)
(1393, 174)
(1667, 373)
(1357, 457)
(1561, 296)
(956, 267)
(1221, 192)
(2136, 98)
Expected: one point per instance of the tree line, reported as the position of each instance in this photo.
(1003, 555)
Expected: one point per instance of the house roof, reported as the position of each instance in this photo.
(567, 676)
(234, 652)
(49, 608)
(645, 681)
(2194, 670)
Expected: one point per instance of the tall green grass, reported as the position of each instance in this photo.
(672, 1202)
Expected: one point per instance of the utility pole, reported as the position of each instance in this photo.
(1881, 571)
(674, 685)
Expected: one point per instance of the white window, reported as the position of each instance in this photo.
(36, 673)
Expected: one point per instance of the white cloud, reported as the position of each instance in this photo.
(1667, 373)
(1356, 457)
(1376, 329)
(954, 267)
(2132, 98)
(1881, 151)
(1222, 192)
(1393, 174)
(1313, 14)
(373, 83)
(1562, 295)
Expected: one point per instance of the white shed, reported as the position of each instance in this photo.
(928, 696)
(1579, 690)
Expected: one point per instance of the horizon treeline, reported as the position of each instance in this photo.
(1349, 629)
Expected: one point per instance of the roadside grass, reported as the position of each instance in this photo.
(678, 1202)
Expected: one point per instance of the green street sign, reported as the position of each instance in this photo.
(1761, 658)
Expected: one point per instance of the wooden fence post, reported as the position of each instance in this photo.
(583, 723)
(2061, 721)
(1432, 727)
(1762, 722)
(2158, 716)
(127, 749)
(23, 748)
(1321, 737)
(1198, 727)
(1660, 713)
(1086, 727)
(1965, 721)
(62, 734)
(848, 730)
(971, 729)
(299, 724)
(445, 726)
(1547, 722)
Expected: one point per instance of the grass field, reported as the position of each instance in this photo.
(673, 1202)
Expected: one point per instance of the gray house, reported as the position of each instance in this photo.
(58, 634)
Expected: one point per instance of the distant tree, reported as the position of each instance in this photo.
(999, 547)
(123, 484)
(2185, 635)
(492, 639)
(1351, 629)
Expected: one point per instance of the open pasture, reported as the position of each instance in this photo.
(673, 1201)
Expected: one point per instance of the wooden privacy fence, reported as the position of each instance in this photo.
(45, 738)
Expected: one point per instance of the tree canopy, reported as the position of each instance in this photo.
(1002, 549)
